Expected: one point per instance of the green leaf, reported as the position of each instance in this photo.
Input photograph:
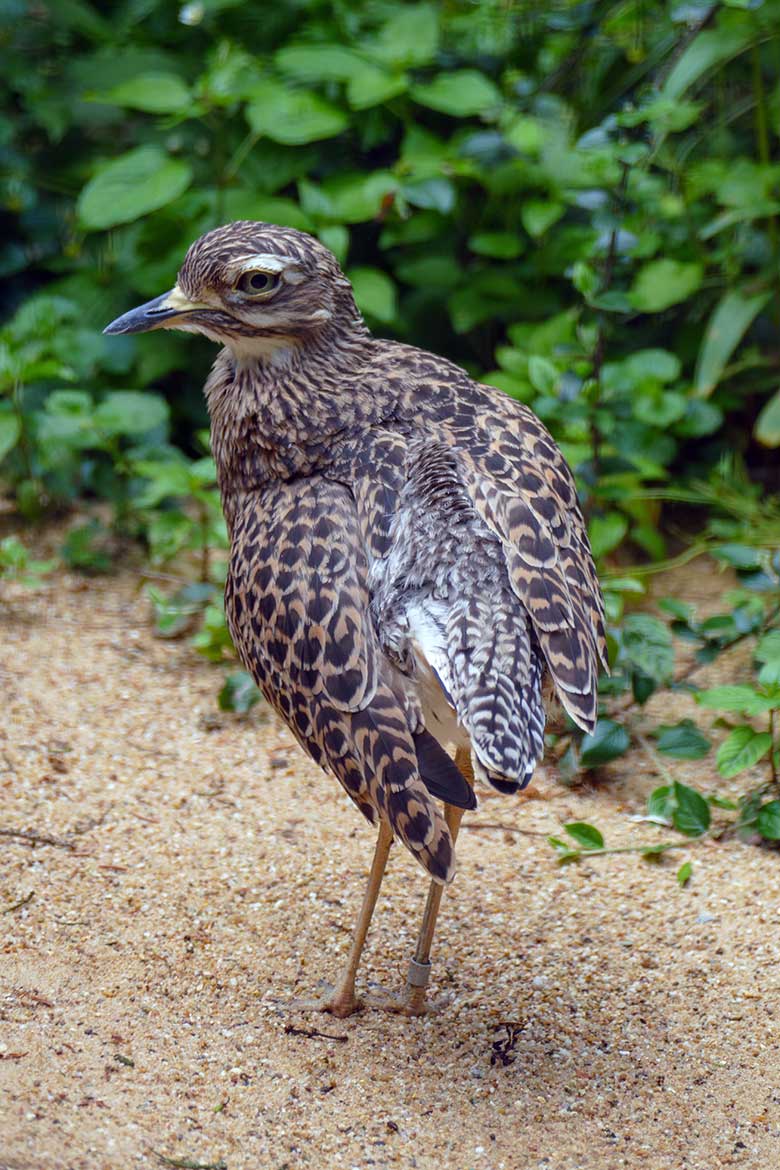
(743, 748)
(608, 741)
(701, 418)
(154, 93)
(768, 648)
(374, 292)
(606, 532)
(682, 740)
(371, 86)
(684, 874)
(336, 237)
(652, 365)
(692, 814)
(356, 197)
(768, 820)
(767, 428)
(462, 93)
(319, 62)
(67, 420)
(660, 408)
(368, 84)
(585, 835)
(769, 678)
(10, 429)
(526, 134)
(434, 194)
(726, 327)
(500, 245)
(239, 693)
(138, 182)
(85, 548)
(538, 216)
(661, 803)
(662, 283)
(710, 48)
(736, 698)
(739, 556)
(131, 412)
(722, 802)
(647, 644)
(544, 376)
(410, 37)
(293, 117)
(439, 272)
(243, 203)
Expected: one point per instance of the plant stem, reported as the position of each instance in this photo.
(762, 133)
(205, 552)
(690, 554)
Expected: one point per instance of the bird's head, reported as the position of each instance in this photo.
(254, 287)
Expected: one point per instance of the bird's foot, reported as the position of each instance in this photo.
(337, 1001)
(411, 1001)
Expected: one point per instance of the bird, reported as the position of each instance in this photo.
(410, 581)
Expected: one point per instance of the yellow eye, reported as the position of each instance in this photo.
(255, 283)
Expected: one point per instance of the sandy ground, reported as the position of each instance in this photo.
(206, 874)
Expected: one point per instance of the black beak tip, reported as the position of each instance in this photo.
(144, 317)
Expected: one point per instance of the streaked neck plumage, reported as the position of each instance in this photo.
(277, 405)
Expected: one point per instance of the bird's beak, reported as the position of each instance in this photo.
(154, 314)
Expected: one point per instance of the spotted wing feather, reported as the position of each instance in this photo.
(298, 610)
(523, 489)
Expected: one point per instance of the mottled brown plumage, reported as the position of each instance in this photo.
(409, 565)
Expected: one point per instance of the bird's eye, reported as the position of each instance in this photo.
(253, 283)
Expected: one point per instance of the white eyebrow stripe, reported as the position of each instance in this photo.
(268, 262)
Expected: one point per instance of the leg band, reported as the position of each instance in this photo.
(419, 974)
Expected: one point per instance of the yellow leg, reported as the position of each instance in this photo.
(412, 1001)
(342, 1001)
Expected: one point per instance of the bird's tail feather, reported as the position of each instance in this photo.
(390, 759)
(440, 774)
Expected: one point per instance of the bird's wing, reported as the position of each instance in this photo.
(446, 609)
(297, 604)
(524, 492)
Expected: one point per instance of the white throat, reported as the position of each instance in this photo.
(277, 352)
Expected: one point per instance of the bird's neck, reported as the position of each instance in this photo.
(276, 414)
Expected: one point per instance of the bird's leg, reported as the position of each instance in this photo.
(412, 1001)
(342, 1001)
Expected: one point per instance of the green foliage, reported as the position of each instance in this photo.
(17, 565)
(561, 200)
(238, 693)
(745, 746)
(682, 741)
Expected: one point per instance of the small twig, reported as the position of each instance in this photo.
(36, 838)
(149, 573)
(502, 1048)
(18, 905)
(313, 1034)
(652, 567)
(650, 850)
(505, 828)
(654, 758)
(188, 1164)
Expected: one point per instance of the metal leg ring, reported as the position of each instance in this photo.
(419, 974)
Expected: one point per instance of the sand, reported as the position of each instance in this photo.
(202, 875)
